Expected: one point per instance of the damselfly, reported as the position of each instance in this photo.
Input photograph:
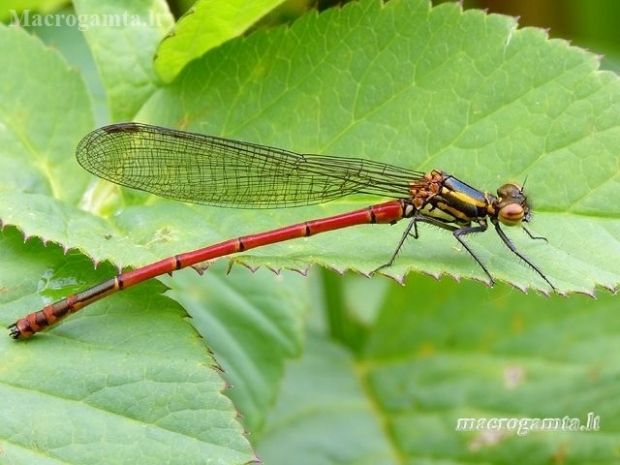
(210, 170)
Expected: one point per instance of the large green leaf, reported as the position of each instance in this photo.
(101, 390)
(489, 105)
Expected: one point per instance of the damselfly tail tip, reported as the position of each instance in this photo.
(14, 331)
(21, 329)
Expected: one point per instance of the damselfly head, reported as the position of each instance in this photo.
(512, 205)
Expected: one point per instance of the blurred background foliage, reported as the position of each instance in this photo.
(592, 25)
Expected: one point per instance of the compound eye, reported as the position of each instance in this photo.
(511, 214)
(510, 191)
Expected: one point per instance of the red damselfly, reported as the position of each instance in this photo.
(210, 170)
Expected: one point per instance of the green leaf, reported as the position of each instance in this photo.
(23, 11)
(323, 412)
(123, 38)
(129, 388)
(254, 331)
(436, 352)
(206, 25)
(39, 131)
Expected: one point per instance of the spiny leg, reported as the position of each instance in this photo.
(456, 231)
(514, 250)
(482, 227)
(412, 225)
(463, 231)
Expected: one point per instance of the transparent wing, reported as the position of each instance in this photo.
(210, 170)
